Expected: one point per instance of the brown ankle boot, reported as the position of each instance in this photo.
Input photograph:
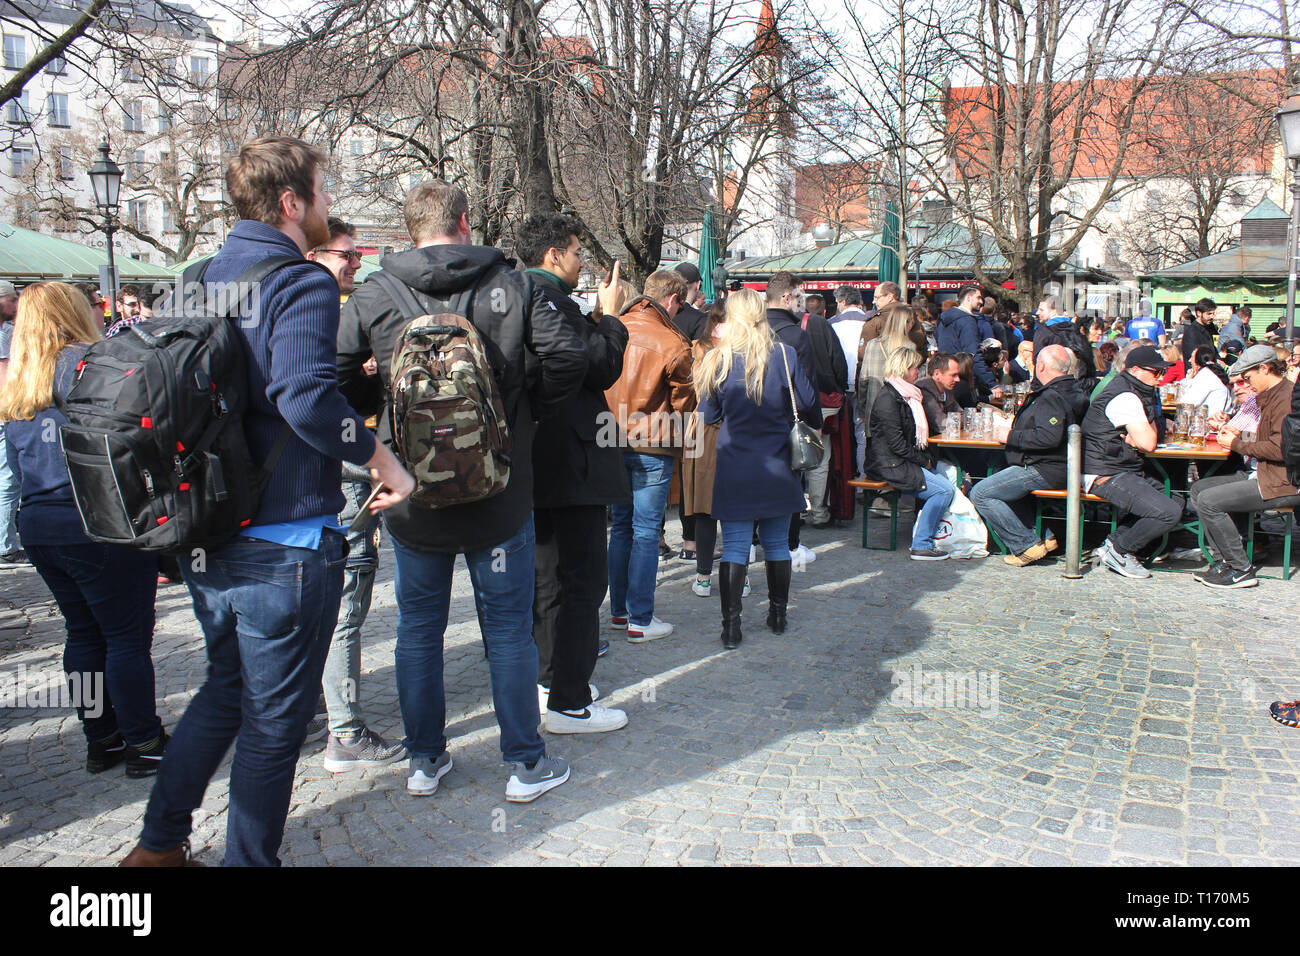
(176, 856)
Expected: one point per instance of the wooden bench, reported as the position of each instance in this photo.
(1289, 516)
(871, 490)
(1042, 497)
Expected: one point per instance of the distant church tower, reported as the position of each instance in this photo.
(768, 206)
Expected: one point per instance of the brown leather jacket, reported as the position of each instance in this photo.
(1274, 405)
(653, 397)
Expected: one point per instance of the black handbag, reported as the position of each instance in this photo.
(805, 441)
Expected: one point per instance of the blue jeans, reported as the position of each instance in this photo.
(503, 594)
(1001, 500)
(9, 489)
(341, 682)
(772, 534)
(107, 595)
(267, 613)
(634, 537)
(937, 495)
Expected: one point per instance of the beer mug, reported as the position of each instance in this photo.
(952, 425)
(1199, 428)
(1182, 423)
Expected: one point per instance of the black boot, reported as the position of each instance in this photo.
(731, 582)
(778, 593)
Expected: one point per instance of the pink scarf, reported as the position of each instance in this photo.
(912, 395)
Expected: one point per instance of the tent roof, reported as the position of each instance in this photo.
(1252, 262)
(27, 256)
(1266, 209)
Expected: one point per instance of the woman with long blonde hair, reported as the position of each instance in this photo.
(897, 319)
(106, 593)
(746, 383)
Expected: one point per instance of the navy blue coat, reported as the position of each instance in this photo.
(753, 478)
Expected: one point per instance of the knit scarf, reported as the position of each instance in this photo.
(912, 395)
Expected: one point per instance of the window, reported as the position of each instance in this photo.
(358, 148)
(169, 71)
(58, 109)
(137, 213)
(130, 70)
(168, 221)
(134, 113)
(135, 166)
(21, 159)
(19, 112)
(200, 70)
(67, 171)
(15, 52)
(57, 67)
(166, 117)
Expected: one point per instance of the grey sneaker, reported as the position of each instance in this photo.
(15, 559)
(525, 786)
(1125, 564)
(367, 749)
(422, 781)
(318, 728)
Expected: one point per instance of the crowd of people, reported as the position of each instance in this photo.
(540, 441)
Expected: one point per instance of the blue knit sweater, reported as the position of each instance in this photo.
(291, 335)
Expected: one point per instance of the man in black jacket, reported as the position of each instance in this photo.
(575, 479)
(689, 320)
(537, 359)
(1200, 331)
(782, 297)
(1036, 452)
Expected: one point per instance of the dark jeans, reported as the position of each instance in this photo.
(1144, 498)
(106, 596)
(688, 521)
(706, 538)
(1216, 499)
(502, 578)
(571, 576)
(1003, 501)
(267, 613)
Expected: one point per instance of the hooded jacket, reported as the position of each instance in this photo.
(536, 356)
(959, 331)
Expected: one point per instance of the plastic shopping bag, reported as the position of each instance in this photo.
(961, 530)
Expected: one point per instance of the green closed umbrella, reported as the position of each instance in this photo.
(887, 269)
(708, 255)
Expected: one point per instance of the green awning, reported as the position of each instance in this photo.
(27, 256)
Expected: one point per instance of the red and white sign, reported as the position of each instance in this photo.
(815, 285)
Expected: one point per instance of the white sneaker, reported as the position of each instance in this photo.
(639, 634)
(702, 588)
(803, 554)
(744, 592)
(594, 719)
(544, 692)
(425, 772)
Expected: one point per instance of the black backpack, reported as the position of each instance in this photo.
(1291, 443)
(154, 442)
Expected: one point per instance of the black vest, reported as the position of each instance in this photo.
(1104, 450)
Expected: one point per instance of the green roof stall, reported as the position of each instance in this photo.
(27, 257)
(1252, 273)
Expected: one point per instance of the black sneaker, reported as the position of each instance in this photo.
(105, 754)
(143, 761)
(15, 559)
(928, 554)
(1226, 576)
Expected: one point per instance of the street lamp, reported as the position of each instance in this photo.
(916, 236)
(1288, 122)
(823, 234)
(106, 181)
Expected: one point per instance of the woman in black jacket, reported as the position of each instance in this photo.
(898, 454)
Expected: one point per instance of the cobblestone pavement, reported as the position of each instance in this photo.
(1035, 721)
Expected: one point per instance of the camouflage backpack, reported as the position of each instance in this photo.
(448, 421)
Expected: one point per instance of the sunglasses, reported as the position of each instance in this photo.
(353, 257)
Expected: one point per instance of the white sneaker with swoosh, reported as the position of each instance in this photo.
(526, 785)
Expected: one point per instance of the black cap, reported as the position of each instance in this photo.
(687, 272)
(1145, 356)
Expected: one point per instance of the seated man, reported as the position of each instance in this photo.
(1216, 499)
(1036, 453)
(936, 390)
(1021, 368)
(1122, 423)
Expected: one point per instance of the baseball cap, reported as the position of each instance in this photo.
(687, 272)
(1144, 356)
(7, 288)
(1253, 357)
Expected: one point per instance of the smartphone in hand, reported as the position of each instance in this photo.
(363, 515)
